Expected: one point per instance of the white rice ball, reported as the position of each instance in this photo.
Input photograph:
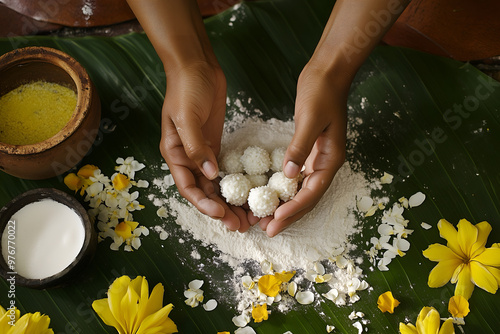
(284, 186)
(257, 180)
(277, 157)
(231, 163)
(255, 160)
(263, 201)
(235, 188)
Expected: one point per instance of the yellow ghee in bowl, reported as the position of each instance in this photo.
(34, 112)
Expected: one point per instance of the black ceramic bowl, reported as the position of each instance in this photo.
(84, 256)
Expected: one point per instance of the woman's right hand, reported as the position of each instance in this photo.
(194, 106)
(192, 122)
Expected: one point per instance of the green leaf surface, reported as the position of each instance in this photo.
(432, 122)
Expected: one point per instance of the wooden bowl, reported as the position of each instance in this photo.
(65, 149)
(8, 235)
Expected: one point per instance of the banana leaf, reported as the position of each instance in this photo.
(432, 122)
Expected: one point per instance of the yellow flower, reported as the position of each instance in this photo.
(464, 260)
(223, 333)
(29, 323)
(386, 302)
(131, 310)
(428, 321)
(458, 307)
(259, 313)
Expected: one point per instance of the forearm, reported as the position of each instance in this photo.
(354, 28)
(176, 30)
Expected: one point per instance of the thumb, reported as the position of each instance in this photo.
(196, 146)
(307, 130)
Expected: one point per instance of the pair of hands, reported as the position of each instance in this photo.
(192, 124)
(194, 107)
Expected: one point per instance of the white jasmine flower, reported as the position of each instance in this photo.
(128, 166)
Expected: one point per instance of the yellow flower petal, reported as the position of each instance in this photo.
(120, 182)
(37, 324)
(483, 278)
(428, 320)
(386, 302)
(442, 273)
(7, 317)
(407, 329)
(489, 257)
(123, 230)
(448, 232)
(458, 307)
(32, 323)
(129, 305)
(464, 286)
(158, 322)
(101, 307)
(467, 236)
(87, 171)
(259, 313)
(447, 327)
(73, 182)
(284, 276)
(496, 273)
(116, 292)
(153, 304)
(269, 285)
(438, 252)
(484, 229)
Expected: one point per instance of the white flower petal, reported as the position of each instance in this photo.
(416, 199)
(371, 211)
(292, 289)
(240, 320)
(195, 284)
(319, 268)
(266, 266)
(304, 297)
(425, 226)
(210, 305)
(358, 326)
(142, 184)
(364, 203)
(330, 328)
(245, 330)
(386, 178)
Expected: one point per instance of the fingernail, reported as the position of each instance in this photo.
(209, 170)
(291, 169)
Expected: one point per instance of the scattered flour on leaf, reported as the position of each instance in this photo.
(313, 238)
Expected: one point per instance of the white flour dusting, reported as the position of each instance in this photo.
(313, 238)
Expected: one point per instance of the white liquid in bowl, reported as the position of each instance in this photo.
(48, 237)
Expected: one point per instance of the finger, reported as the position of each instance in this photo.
(189, 127)
(230, 219)
(307, 129)
(243, 219)
(252, 220)
(264, 222)
(186, 184)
